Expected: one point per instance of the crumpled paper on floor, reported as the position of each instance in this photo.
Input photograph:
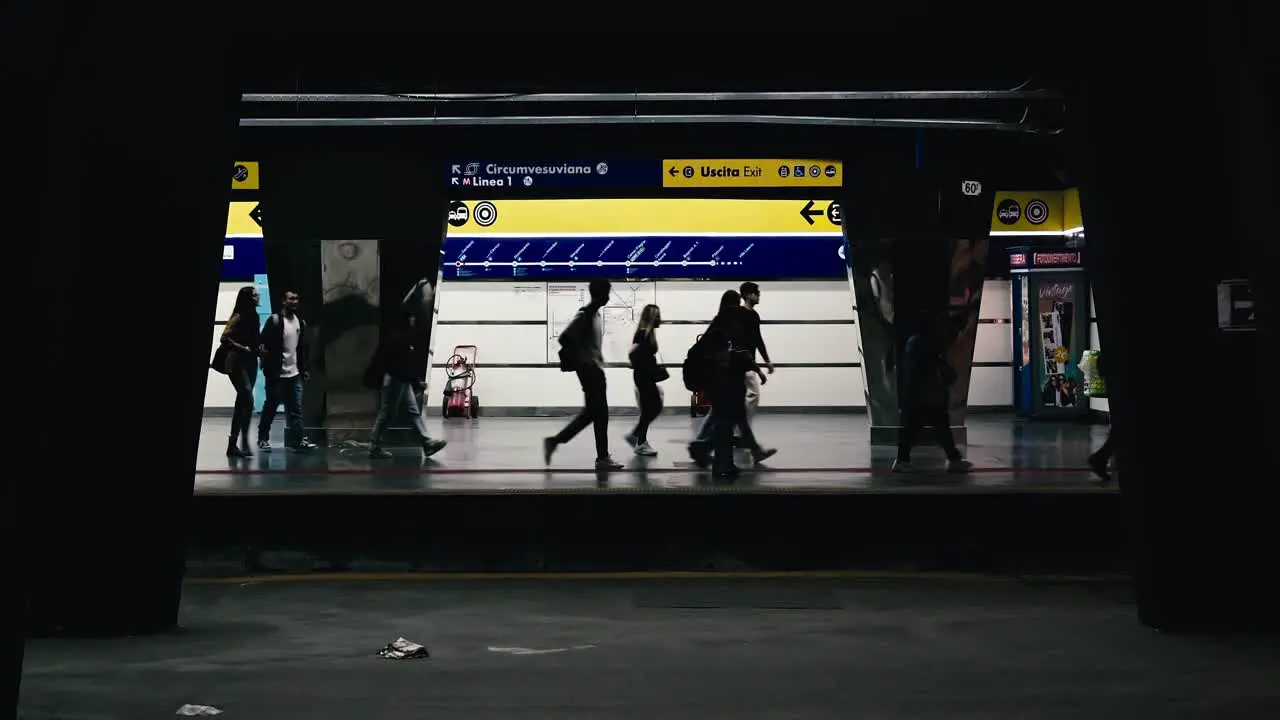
(403, 649)
(197, 710)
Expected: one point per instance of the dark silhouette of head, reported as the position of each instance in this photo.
(246, 301)
(729, 301)
(599, 290)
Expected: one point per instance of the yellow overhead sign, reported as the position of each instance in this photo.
(751, 173)
(244, 176)
(647, 216)
(1021, 213)
(1072, 218)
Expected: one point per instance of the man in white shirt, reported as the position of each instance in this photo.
(285, 367)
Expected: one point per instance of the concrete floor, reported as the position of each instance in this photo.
(815, 452)
(659, 649)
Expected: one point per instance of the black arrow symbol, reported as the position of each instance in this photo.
(808, 213)
(672, 171)
(256, 214)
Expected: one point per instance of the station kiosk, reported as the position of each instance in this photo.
(1050, 332)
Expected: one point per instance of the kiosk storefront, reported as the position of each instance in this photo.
(1050, 332)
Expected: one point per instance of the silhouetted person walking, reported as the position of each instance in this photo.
(1100, 460)
(401, 362)
(581, 353)
(925, 395)
(646, 372)
(238, 357)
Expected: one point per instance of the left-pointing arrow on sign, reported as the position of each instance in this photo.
(672, 171)
(808, 213)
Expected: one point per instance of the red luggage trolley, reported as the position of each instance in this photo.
(460, 380)
(699, 403)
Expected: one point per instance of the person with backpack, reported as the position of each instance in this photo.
(718, 363)
(581, 353)
(924, 394)
(697, 376)
(286, 369)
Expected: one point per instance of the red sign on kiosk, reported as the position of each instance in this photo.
(1054, 259)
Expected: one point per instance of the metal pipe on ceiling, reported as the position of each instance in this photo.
(648, 97)
(634, 120)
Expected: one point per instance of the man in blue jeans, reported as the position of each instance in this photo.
(285, 367)
(401, 362)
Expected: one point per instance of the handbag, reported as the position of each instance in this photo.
(660, 373)
(219, 361)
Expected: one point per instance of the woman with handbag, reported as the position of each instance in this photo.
(647, 372)
(237, 356)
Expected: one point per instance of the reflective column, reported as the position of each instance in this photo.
(916, 246)
(364, 229)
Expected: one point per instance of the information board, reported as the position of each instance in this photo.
(648, 258)
(644, 239)
(507, 175)
(618, 318)
(533, 175)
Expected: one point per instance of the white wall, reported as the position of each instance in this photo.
(1099, 404)
(809, 332)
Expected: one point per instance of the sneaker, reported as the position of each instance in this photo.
(264, 446)
(1099, 467)
(378, 453)
(431, 447)
(903, 466)
(548, 449)
(959, 466)
(631, 439)
(700, 454)
(607, 463)
(307, 445)
(645, 449)
(759, 456)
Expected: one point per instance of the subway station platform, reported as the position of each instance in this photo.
(816, 453)
(827, 500)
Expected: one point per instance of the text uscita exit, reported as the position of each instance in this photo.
(726, 171)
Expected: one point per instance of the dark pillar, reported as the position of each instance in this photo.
(1196, 463)
(139, 134)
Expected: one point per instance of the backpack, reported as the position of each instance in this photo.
(570, 353)
(696, 369)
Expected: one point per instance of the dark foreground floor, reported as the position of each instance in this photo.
(660, 649)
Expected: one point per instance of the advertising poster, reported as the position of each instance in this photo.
(1061, 376)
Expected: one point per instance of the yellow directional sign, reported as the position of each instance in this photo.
(751, 173)
(244, 176)
(243, 219)
(644, 216)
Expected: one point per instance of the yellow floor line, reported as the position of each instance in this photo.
(660, 575)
